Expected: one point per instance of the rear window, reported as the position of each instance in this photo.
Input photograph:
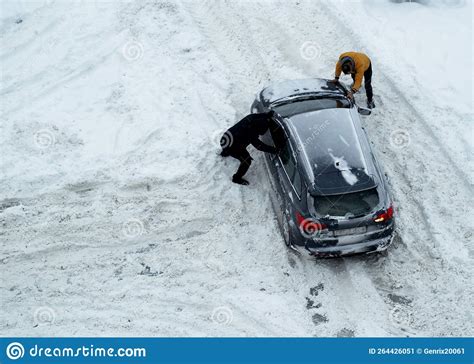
(349, 204)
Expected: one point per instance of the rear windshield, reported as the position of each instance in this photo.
(349, 204)
(298, 107)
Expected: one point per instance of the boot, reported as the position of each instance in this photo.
(240, 180)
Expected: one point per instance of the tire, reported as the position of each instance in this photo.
(286, 230)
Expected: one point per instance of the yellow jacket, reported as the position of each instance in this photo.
(362, 63)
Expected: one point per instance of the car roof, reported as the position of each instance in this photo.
(290, 88)
(336, 155)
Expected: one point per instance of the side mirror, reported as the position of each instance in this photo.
(364, 111)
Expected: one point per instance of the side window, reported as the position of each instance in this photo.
(285, 153)
(288, 161)
(297, 183)
(267, 138)
(277, 133)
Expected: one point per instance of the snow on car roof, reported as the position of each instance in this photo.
(296, 87)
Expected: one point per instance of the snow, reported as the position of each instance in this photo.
(283, 89)
(118, 217)
(341, 164)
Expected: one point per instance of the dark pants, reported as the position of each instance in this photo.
(242, 155)
(367, 83)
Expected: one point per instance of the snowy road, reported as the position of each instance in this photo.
(118, 217)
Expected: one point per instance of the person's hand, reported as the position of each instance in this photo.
(336, 80)
(350, 95)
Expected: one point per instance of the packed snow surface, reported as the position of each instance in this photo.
(118, 216)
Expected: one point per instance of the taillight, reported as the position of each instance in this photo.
(299, 218)
(309, 224)
(385, 215)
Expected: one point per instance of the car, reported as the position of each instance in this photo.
(329, 193)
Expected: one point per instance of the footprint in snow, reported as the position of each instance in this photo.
(314, 291)
(311, 304)
(402, 300)
(345, 332)
(319, 319)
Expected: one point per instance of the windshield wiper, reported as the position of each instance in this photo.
(354, 216)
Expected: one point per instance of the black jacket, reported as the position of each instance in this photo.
(247, 131)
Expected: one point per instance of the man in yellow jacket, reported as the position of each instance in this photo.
(359, 66)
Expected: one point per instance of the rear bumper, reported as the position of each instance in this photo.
(367, 246)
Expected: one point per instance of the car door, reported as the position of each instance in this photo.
(274, 136)
(287, 170)
(285, 174)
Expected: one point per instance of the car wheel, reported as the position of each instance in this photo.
(286, 230)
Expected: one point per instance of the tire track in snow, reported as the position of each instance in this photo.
(41, 84)
(232, 49)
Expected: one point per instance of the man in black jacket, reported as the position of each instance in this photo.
(235, 141)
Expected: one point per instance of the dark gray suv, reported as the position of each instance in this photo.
(331, 195)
